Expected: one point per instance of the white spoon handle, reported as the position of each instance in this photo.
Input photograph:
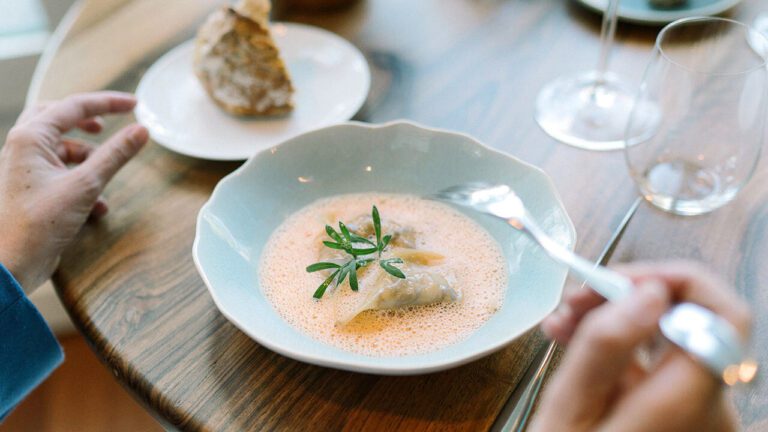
(605, 282)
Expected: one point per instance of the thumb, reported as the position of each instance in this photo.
(602, 351)
(109, 157)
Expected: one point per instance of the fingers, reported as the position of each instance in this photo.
(73, 151)
(685, 281)
(606, 340)
(691, 282)
(92, 125)
(679, 395)
(32, 111)
(100, 208)
(109, 157)
(601, 356)
(71, 111)
(561, 324)
(601, 352)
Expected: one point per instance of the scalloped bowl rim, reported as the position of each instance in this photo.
(357, 365)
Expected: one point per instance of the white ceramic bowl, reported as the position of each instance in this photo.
(249, 204)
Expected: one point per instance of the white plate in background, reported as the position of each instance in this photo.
(641, 11)
(330, 76)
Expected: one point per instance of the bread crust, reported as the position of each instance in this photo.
(238, 63)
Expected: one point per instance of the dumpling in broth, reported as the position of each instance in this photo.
(380, 290)
(401, 236)
(419, 288)
(418, 256)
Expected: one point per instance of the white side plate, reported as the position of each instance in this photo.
(641, 11)
(330, 75)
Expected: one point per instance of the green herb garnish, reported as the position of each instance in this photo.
(350, 243)
(394, 271)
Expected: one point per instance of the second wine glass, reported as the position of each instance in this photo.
(709, 80)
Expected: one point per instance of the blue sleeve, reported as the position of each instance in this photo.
(28, 350)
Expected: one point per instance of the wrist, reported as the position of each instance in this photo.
(25, 254)
(13, 269)
(12, 259)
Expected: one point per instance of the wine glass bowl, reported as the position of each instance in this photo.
(709, 86)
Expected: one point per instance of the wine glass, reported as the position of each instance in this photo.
(589, 110)
(709, 81)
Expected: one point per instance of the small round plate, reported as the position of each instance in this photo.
(641, 11)
(330, 75)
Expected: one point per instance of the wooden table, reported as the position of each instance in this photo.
(473, 66)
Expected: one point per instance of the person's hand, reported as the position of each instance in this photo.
(600, 386)
(50, 184)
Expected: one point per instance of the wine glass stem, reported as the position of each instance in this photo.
(607, 33)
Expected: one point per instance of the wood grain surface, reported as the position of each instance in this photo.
(473, 66)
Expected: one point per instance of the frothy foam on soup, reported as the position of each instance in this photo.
(470, 261)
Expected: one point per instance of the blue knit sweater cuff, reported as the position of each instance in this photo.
(28, 350)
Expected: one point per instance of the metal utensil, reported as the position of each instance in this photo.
(706, 336)
(517, 412)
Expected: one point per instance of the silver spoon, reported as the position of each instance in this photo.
(706, 336)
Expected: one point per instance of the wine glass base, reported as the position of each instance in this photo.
(585, 111)
(685, 188)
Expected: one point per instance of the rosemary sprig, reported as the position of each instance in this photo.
(391, 269)
(350, 242)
